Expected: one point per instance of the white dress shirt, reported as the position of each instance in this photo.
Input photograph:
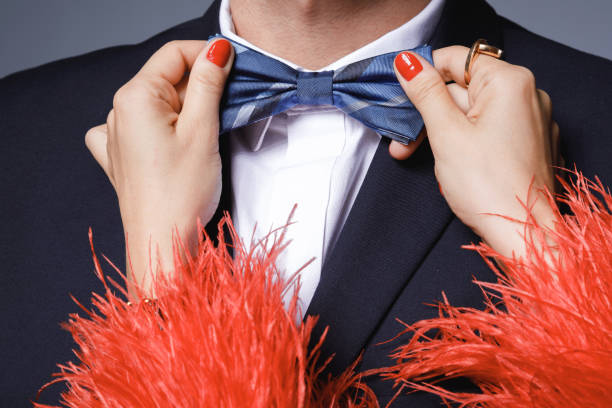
(312, 156)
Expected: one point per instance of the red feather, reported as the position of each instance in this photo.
(221, 337)
(545, 339)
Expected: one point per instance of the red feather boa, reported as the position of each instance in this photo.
(222, 337)
(545, 339)
(217, 336)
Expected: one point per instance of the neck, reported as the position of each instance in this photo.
(315, 33)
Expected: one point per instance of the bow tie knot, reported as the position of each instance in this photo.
(368, 90)
(315, 88)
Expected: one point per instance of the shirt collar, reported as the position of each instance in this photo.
(415, 32)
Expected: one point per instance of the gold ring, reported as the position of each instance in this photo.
(480, 47)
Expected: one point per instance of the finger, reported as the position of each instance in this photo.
(172, 60)
(427, 91)
(450, 63)
(156, 80)
(181, 89)
(110, 125)
(110, 120)
(401, 151)
(96, 140)
(460, 96)
(555, 144)
(200, 113)
(558, 160)
(545, 105)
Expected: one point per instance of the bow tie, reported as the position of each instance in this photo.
(259, 87)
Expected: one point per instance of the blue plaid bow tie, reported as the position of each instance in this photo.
(367, 90)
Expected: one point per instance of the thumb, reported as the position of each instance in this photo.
(200, 111)
(427, 91)
(96, 140)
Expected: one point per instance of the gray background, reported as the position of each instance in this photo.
(33, 32)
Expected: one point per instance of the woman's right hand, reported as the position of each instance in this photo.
(160, 150)
(491, 141)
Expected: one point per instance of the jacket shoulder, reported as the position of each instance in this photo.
(66, 97)
(580, 87)
(527, 45)
(47, 110)
(104, 65)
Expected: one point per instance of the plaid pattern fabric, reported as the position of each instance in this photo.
(367, 90)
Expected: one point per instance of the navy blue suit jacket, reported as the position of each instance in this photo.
(399, 249)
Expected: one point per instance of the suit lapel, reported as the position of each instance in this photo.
(211, 24)
(398, 216)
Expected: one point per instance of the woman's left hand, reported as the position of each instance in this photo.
(491, 141)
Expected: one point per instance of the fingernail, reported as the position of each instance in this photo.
(440, 188)
(408, 65)
(219, 52)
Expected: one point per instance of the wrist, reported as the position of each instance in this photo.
(508, 232)
(150, 248)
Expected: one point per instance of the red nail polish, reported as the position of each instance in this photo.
(219, 52)
(408, 65)
(440, 188)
